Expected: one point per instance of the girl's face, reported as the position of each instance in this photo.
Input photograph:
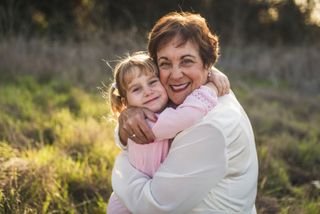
(146, 91)
(181, 69)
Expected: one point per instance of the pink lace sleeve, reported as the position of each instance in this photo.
(172, 121)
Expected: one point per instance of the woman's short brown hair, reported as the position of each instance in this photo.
(189, 27)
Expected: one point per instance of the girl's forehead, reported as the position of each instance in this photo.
(138, 72)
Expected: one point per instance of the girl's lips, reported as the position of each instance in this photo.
(151, 100)
(178, 88)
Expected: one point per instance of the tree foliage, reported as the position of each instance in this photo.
(273, 21)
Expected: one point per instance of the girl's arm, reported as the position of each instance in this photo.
(172, 121)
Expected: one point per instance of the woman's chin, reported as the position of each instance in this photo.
(178, 98)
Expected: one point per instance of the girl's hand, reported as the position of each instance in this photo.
(133, 125)
(220, 80)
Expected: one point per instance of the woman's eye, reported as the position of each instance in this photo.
(187, 62)
(164, 64)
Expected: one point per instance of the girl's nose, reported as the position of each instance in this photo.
(148, 91)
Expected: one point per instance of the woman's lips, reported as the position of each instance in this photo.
(180, 87)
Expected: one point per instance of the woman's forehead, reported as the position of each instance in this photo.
(177, 48)
(179, 40)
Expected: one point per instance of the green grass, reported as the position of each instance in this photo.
(286, 125)
(57, 149)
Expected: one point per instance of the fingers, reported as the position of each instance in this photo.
(224, 86)
(147, 135)
(222, 83)
(227, 88)
(218, 83)
(145, 128)
(138, 136)
(150, 115)
(134, 131)
(135, 125)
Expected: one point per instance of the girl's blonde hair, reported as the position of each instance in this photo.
(124, 72)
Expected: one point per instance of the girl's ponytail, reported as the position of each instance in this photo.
(116, 101)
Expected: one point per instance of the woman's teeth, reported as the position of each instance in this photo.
(179, 87)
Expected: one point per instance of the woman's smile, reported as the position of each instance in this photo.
(179, 87)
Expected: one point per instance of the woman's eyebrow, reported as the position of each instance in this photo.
(183, 56)
(163, 57)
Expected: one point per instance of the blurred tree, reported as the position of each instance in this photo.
(271, 21)
(292, 22)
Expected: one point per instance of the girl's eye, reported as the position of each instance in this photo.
(135, 89)
(153, 82)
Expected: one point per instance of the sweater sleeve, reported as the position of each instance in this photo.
(117, 138)
(172, 121)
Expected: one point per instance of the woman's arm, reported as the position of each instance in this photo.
(195, 164)
(220, 80)
(172, 121)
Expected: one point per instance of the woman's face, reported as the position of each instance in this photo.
(181, 69)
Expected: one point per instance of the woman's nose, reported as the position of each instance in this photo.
(176, 72)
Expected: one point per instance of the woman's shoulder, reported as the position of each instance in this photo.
(227, 118)
(227, 112)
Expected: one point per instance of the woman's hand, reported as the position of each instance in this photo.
(212, 87)
(133, 125)
(220, 80)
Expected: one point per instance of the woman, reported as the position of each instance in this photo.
(211, 167)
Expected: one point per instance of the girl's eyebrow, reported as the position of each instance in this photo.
(152, 77)
(133, 85)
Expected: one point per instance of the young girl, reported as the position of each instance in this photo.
(137, 84)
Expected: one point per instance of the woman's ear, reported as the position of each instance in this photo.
(207, 72)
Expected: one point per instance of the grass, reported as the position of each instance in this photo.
(56, 138)
(288, 143)
(56, 148)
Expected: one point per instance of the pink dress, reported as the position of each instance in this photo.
(148, 157)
